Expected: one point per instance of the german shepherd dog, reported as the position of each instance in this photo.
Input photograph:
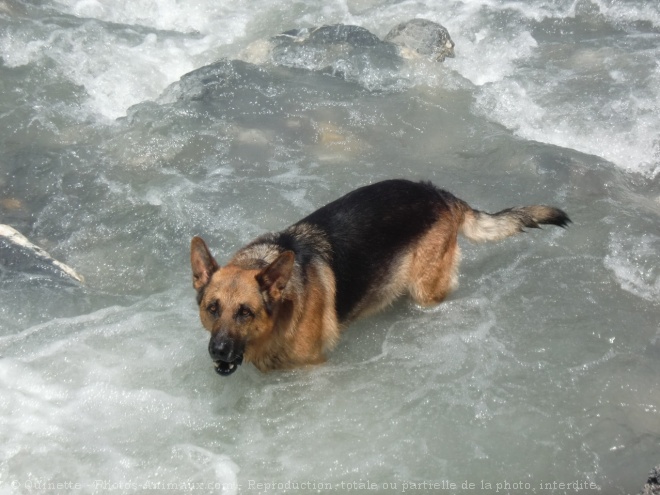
(282, 300)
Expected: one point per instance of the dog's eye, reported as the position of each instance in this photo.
(214, 309)
(244, 312)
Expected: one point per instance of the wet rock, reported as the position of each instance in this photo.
(422, 38)
(352, 51)
(17, 253)
(652, 486)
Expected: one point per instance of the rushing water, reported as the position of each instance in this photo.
(130, 126)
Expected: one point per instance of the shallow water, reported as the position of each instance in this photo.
(127, 130)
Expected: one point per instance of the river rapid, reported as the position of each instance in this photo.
(129, 128)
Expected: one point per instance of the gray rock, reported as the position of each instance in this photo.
(422, 37)
(342, 50)
(349, 51)
(19, 254)
(652, 486)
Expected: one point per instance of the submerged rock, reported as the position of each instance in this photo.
(19, 254)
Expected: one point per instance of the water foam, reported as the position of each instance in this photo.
(632, 260)
(609, 122)
(591, 96)
(189, 17)
(117, 70)
(65, 386)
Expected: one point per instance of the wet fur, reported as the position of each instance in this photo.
(282, 300)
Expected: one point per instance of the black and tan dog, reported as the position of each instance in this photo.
(283, 299)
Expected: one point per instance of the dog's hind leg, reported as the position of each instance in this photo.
(434, 266)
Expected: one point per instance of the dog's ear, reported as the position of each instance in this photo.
(274, 277)
(203, 264)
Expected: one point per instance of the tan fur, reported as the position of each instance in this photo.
(434, 270)
(311, 331)
(479, 226)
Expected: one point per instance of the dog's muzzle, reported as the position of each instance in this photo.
(227, 354)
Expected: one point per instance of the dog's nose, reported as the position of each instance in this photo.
(221, 348)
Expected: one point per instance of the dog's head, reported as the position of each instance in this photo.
(237, 305)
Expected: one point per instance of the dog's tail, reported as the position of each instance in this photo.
(480, 226)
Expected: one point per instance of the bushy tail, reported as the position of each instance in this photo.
(479, 226)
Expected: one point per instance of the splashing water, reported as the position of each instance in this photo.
(131, 128)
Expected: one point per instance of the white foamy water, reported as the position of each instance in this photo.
(130, 127)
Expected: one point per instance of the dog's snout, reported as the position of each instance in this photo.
(221, 348)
